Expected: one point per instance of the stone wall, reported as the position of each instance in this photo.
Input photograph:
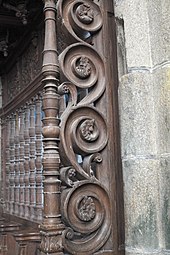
(143, 31)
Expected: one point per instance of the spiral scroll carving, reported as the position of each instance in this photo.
(83, 131)
(83, 18)
(85, 210)
(84, 68)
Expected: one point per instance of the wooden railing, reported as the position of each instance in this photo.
(22, 156)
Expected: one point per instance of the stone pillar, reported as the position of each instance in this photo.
(144, 96)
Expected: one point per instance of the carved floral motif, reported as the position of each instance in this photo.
(87, 209)
(89, 130)
(50, 244)
(82, 68)
(85, 14)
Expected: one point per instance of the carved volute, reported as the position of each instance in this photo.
(86, 149)
(77, 190)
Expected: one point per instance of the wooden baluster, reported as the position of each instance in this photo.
(38, 162)
(7, 162)
(3, 180)
(21, 164)
(32, 159)
(26, 162)
(16, 178)
(22, 248)
(12, 157)
(51, 228)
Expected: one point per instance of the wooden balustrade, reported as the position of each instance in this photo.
(23, 161)
(26, 161)
(7, 163)
(32, 158)
(12, 157)
(38, 158)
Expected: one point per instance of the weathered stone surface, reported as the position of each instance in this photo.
(144, 99)
(146, 31)
(161, 94)
(136, 23)
(165, 199)
(142, 210)
(137, 116)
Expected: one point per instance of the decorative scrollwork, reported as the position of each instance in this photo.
(83, 131)
(86, 203)
(82, 18)
(83, 67)
(75, 140)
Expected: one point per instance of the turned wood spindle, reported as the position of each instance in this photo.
(21, 164)
(51, 228)
(12, 162)
(32, 159)
(26, 162)
(38, 160)
(7, 164)
(16, 178)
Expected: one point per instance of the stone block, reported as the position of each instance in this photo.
(137, 115)
(136, 24)
(161, 94)
(143, 224)
(165, 199)
(147, 31)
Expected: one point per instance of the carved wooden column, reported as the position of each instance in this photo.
(21, 164)
(4, 166)
(16, 178)
(12, 156)
(26, 163)
(7, 163)
(51, 229)
(38, 161)
(32, 158)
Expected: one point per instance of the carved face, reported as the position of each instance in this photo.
(83, 68)
(89, 131)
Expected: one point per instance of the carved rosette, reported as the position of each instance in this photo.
(83, 132)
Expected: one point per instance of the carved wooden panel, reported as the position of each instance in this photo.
(26, 68)
(82, 172)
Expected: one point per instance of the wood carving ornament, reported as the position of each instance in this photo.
(83, 133)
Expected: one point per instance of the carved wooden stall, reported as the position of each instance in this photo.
(61, 173)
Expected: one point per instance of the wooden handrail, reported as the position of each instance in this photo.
(31, 90)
